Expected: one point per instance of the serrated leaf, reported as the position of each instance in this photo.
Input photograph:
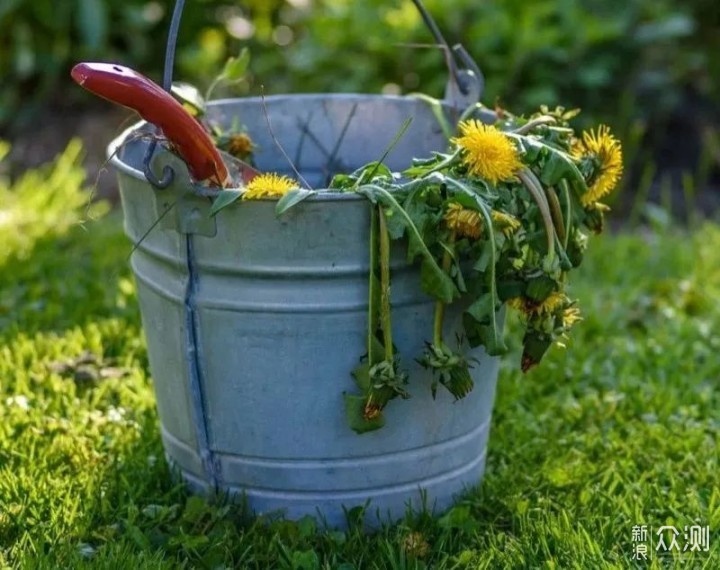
(375, 169)
(457, 274)
(354, 414)
(439, 161)
(484, 335)
(435, 282)
(482, 308)
(292, 198)
(486, 255)
(342, 182)
(394, 224)
(236, 67)
(491, 337)
(554, 170)
(223, 200)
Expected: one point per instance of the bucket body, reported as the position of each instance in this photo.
(255, 322)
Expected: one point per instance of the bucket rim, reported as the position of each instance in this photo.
(348, 96)
(322, 194)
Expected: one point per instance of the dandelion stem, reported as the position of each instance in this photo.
(568, 211)
(385, 321)
(535, 188)
(372, 286)
(211, 88)
(530, 125)
(447, 162)
(439, 305)
(556, 212)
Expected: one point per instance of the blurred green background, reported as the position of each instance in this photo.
(649, 68)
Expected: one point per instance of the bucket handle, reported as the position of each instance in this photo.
(463, 89)
(466, 81)
(168, 174)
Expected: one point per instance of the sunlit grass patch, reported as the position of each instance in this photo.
(619, 429)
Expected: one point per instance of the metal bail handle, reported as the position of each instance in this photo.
(465, 85)
(168, 174)
(463, 89)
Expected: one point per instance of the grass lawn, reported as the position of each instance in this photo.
(619, 430)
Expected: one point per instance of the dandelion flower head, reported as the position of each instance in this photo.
(268, 185)
(487, 151)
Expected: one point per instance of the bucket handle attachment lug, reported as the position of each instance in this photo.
(189, 204)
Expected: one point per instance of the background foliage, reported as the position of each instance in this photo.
(646, 67)
(629, 57)
(581, 451)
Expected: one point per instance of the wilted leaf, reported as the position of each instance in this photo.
(435, 282)
(292, 198)
(554, 170)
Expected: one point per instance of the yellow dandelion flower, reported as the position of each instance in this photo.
(550, 305)
(606, 149)
(240, 145)
(463, 221)
(570, 316)
(577, 149)
(269, 185)
(488, 152)
(505, 222)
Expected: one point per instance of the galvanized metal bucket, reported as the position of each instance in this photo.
(254, 323)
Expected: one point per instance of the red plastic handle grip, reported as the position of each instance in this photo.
(131, 89)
